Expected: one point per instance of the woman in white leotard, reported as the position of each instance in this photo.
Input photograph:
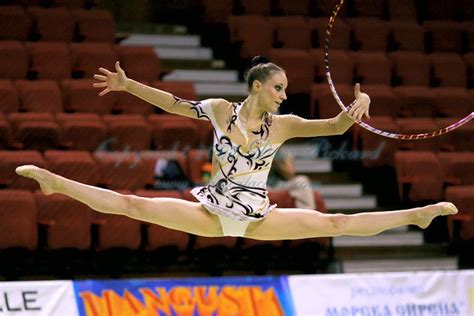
(246, 138)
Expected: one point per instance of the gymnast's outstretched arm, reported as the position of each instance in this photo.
(118, 81)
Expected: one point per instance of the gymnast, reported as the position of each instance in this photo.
(246, 137)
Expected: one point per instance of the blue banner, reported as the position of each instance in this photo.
(250, 296)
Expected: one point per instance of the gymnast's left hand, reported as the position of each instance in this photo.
(360, 106)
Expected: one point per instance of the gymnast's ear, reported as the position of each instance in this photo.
(256, 85)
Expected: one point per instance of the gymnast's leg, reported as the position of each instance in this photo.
(301, 223)
(172, 213)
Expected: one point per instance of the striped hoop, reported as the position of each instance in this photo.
(372, 129)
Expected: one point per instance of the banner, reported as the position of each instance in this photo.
(449, 293)
(249, 296)
(45, 298)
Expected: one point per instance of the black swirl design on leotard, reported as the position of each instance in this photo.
(196, 106)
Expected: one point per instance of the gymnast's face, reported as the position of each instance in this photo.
(271, 93)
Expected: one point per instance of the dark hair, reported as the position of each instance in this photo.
(261, 68)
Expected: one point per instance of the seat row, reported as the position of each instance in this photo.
(91, 132)
(61, 60)
(258, 34)
(400, 68)
(381, 151)
(68, 224)
(37, 23)
(383, 9)
(79, 95)
(401, 101)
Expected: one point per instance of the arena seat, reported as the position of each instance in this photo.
(82, 131)
(9, 160)
(68, 221)
(40, 96)
(5, 133)
(453, 101)
(81, 96)
(291, 32)
(368, 8)
(18, 216)
(95, 25)
(128, 132)
(449, 70)
(300, 62)
(342, 66)
(463, 198)
(419, 176)
(9, 96)
(46, 21)
(50, 60)
(443, 36)
(173, 132)
(340, 36)
(87, 58)
(38, 131)
(252, 33)
(323, 105)
(402, 10)
(419, 126)
(15, 24)
(73, 164)
(410, 68)
(462, 139)
(129, 104)
(378, 30)
(407, 36)
(250, 7)
(13, 60)
(139, 62)
(149, 160)
(416, 101)
(296, 7)
(372, 67)
(384, 102)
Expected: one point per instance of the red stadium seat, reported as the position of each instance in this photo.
(82, 131)
(253, 33)
(117, 231)
(407, 35)
(68, 221)
(37, 131)
(368, 8)
(453, 102)
(95, 25)
(128, 132)
(300, 62)
(216, 12)
(340, 35)
(444, 36)
(378, 30)
(18, 216)
(13, 60)
(384, 102)
(46, 21)
(421, 170)
(81, 96)
(173, 132)
(9, 160)
(342, 66)
(75, 165)
(282, 198)
(15, 24)
(295, 7)
(372, 67)
(469, 60)
(449, 70)
(87, 58)
(121, 170)
(323, 103)
(50, 60)
(410, 68)
(139, 62)
(9, 97)
(402, 10)
(292, 32)
(5, 134)
(250, 7)
(419, 101)
(40, 96)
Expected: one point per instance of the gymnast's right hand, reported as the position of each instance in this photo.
(112, 81)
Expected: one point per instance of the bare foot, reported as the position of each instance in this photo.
(426, 214)
(42, 176)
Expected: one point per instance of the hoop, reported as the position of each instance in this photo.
(372, 129)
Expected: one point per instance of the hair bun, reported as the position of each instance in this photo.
(257, 60)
